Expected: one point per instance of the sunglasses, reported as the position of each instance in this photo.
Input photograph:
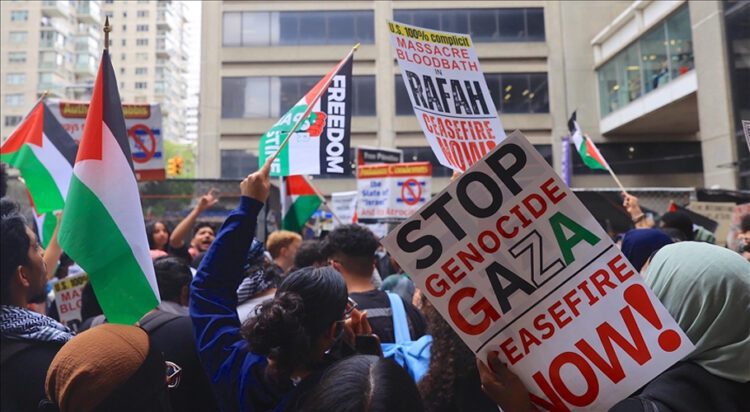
(349, 308)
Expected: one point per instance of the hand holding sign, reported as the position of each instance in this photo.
(503, 386)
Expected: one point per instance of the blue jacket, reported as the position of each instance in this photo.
(237, 375)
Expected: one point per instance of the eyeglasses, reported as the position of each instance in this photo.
(349, 308)
(174, 372)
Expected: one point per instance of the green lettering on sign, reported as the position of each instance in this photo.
(558, 220)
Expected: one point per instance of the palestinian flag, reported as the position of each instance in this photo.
(102, 229)
(45, 222)
(585, 147)
(299, 204)
(321, 143)
(44, 154)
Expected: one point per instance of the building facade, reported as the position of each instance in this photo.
(51, 46)
(632, 70)
(148, 47)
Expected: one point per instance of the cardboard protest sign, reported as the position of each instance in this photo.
(448, 92)
(143, 123)
(721, 212)
(392, 191)
(517, 265)
(68, 299)
(344, 205)
(746, 129)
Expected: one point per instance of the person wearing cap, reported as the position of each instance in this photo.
(109, 368)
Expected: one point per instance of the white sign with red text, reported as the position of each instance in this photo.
(448, 92)
(392, 191)
(142, 123)
(68, 299)
(518, 266)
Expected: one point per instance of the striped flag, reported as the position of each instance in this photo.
(300, 203)
(585, 147)
(44, 154)
(321, 143)
(102, 229)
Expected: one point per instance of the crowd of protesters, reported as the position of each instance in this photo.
(293, 324)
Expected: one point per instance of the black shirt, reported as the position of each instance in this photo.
(380, 315)
(23, 375)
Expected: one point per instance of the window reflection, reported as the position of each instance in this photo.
(661, 55)
(484, 25)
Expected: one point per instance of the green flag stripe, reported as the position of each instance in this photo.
(588, 160)
(48, 227)
(39, 181)
(90, 236)
(300, 211)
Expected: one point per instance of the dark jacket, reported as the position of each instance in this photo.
(173, 336)
(23, 374)
(237, 375)
(688, 387)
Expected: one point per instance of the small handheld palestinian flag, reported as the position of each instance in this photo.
(585, 147)
(587, 150)
(102, 229)
(299, 203)
(313, 137)
(44, 153)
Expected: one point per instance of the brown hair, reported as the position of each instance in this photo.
(279, 240)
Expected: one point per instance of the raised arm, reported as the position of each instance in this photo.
(213, 300)
(54, 251)
(177, 239)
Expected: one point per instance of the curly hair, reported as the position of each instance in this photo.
(287, 327)
(452, 367)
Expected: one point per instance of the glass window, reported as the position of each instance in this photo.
(298, 27)
(19, 15)
(141, 70)
(647, 158)
(141, 42)
(256, 29)
(484, 25)
(232, 29)
(631, 73)
(608, 87)
(141, 85)
(16, 78)
(363, 101)
(141, 27)
(493, 84)
(236, 164)
(535, 24)
(654, 58)
(142, 13)
(679, 37)
(538, 93)
(403, 104)
(18, 36)
(17, 57)
(15, 99)
(245, 97)
(515, 89)
(141, 57)
(512, 28)
(11, 121)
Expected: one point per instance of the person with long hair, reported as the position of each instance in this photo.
(452, 381)
(277, 356)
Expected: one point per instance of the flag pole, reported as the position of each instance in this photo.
(107, 28)
(322, 199)
(612, 173)
(311, 105)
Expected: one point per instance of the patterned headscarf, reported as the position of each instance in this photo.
(20, 323)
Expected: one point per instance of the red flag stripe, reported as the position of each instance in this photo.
(297, 185)
(30, 131)
(90, 147)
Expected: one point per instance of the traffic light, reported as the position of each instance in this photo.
(178, 163)
(171, 167)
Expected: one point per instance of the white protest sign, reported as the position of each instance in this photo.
(68, 299)
(393, 191)
(344, 205)
(448, 92)
(517, 265)
(746, 129)
(721, 212)
(143, 124)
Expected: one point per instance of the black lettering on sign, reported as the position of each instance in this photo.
(416, 245)
(532, 244)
